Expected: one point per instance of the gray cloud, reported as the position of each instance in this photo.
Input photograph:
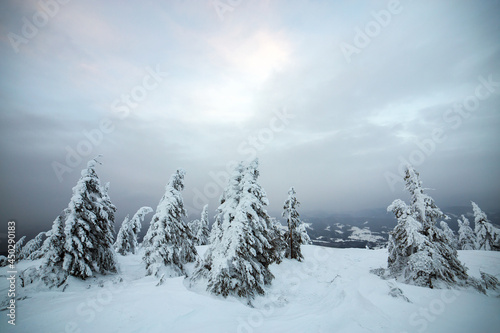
(352, 122)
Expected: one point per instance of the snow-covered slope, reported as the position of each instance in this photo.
(331, 291)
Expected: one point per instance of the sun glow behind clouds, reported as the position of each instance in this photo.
(260, 56)
(246, 64)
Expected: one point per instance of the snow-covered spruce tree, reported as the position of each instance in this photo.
(253, 202)
(226, 211)
(404, 239)
(18, 248)
(306, 240)
(89, 227)
(487, 236)
(194, 225)
(136, 226)
(51, 272)
(296, 234)
(450, 235)
(169, 242)
(203, 233)
(278, 239)
(241, 252)
(32, 249)
(53, 247)
(419, 252)
(123, 242)
(466, 237)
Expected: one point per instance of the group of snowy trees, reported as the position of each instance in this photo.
(80, 242)
(200, 228)
(422, 254)
(244, 240)
(485, 236)
(126, 239)
(243, 243)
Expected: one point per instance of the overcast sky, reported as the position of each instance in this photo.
(331, 96)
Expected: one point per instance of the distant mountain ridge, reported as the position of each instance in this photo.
(371, 227)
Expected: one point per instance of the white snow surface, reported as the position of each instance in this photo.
(332, 290)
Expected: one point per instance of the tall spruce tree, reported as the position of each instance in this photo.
(419, 252)
(466, 237)
(241, 249)
(487, 236)
(296, 234)
(253, 203)
(89, 227)
(169, 242)
(228, 202)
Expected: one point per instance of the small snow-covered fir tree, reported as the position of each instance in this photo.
(278, 243)
(466, 237)
(136, 226)
(419, 252)
(89, 227)
(53, 248)
(487, 236)
(242, 238)
(54, 245)
(169, 242)
(123, 242)
(32, 249)
(18, 247)
(302, 229)
(199, 228)
(296, 234)
(450, 235)
(194, 225)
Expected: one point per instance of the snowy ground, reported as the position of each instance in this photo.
(331, 291)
